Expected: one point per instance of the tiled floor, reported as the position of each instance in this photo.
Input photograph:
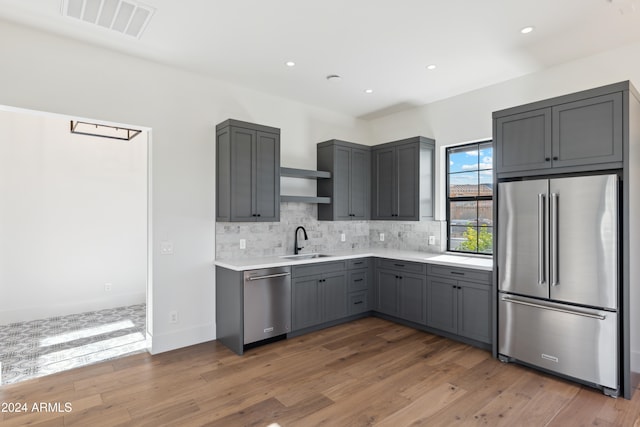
(42, 347)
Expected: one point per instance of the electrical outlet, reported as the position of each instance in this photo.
(243, 244)
(166, 247)
(382, 237)
(343, 237)
(173, 317)
(107, 287)
(432, 240)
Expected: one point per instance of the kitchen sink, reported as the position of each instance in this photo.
(305, 256)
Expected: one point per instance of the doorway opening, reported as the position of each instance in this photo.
(74, 254)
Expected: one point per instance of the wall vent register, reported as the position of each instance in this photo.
(125, 17)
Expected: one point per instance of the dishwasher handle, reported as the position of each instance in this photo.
(269, 276)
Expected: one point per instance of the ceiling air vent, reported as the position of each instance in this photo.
(125, 17)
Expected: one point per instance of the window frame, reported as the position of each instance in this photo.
(478, 198)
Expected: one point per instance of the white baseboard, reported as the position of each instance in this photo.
(182, 338)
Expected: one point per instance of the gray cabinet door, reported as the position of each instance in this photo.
(442, 304)
(384, 196)
(387, 292)
(341, 190)
(248, 172)
(474, 307)
(242, 174)
(350, 184)
(523, 141)
(334, 296)
(408, 182)
(588, 131)
(412, 290)
(306, 302)
(359, 184)
(267, 177)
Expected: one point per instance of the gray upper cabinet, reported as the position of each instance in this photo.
(573, 133)
(523, 141)
(248, 172)
(349, 186)
(402, 179)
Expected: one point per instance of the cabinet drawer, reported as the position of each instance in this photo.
(460, 273)
(318, 268)
(358, 281)
(358, 302)
(358, 263)
(413, 267)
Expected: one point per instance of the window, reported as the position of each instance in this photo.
(470, 198)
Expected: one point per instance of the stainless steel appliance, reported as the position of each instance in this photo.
(558, 276)
(267, 303)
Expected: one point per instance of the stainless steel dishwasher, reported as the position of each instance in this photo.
(267, 303)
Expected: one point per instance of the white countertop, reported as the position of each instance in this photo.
(478, 263)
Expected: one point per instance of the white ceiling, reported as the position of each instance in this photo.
(383, 45)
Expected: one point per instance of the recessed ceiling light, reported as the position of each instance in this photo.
(290, 64)
(368, 91)
(526, 30)
(333, 78)
(431, 67)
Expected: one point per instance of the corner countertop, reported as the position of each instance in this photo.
(478, 263)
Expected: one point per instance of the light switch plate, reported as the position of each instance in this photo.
(243, 244)
(343, 237)
(382, 237)
(432, 240)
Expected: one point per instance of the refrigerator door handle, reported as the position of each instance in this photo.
(553, 247)
(552, 308)
(541, 239)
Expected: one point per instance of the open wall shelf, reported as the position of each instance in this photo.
(305, 174)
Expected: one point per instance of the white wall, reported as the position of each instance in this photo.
(73, 216)
(47, 73)
(467, 117)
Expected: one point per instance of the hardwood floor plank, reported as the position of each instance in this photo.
(417, 412)
(366, 372)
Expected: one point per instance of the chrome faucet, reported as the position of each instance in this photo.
(295, 243)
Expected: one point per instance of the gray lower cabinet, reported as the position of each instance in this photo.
(350, 184)
(318, 294)
(359, 286)
(577, 132)
(459, 302)
(401, 290)
(402, 179)
(247, 172)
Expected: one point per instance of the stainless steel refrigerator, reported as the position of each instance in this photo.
(558, 243)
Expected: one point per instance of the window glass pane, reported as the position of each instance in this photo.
(456, 238)
(471, 239)
(486, 183)
(485, 156)
(463, 184)
(463, 213)
(463, 159)
(485, 213)
(485, 240)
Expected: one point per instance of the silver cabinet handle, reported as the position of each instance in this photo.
(541, 239)
(561, 310)
(554, 239)
(269, 276)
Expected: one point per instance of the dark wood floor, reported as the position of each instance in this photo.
(367, 372)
